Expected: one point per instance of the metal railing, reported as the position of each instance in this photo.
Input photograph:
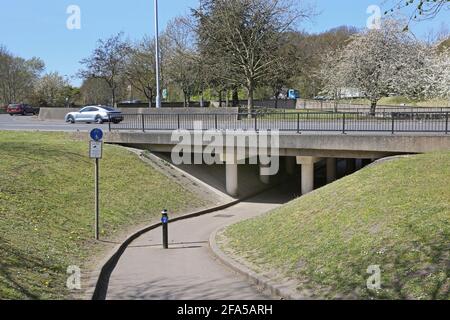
(393, 122)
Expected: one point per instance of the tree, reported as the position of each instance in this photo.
(443, 65)
(418, 9)
(140, 65)
(182, 58)
(140, 68)
(17, 76)
(95, 91)
(312, 51)
(51, 90)
(284, 69)
(331, 75)
(108, 63)
(244, 36)
(381, 62)
(436, 77)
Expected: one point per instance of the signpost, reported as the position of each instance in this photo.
(96, 152)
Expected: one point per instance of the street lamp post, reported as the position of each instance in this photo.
(158, 89)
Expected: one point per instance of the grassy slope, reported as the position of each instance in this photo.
(46, 207)
(395, 215)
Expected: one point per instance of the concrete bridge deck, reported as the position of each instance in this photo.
(305, 150)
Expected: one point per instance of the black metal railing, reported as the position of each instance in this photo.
(393, 122)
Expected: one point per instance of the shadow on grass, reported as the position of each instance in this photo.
(17, 266)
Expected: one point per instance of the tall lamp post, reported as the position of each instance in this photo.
(158, 89)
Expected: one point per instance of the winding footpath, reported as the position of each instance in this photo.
(188, 270)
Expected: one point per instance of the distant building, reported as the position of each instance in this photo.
(350, 93)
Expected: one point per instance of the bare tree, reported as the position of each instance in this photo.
(107, 62)
(244, 36)
(140, 68)
(182, 58)
(95, 91)
(140, 65)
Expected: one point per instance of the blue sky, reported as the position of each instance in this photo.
(38, 28)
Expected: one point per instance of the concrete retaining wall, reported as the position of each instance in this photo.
(270, 104)
(54, 113)
(60, 113)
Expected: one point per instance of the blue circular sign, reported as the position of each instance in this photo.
(97, 134)
(165, 220)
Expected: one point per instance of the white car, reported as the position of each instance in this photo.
(96, 114)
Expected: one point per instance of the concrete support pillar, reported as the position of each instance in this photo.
(264, 178)
(307, 178)
(331, 170)
(232, 179)
(307, 164)
(351, 166)
(290, 165)
(231, 173)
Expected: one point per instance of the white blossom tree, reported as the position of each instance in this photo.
(438, 75)
(381, 62)
(330, 71)
(50, 90)
(444, 66)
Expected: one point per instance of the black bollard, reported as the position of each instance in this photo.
(165, 229)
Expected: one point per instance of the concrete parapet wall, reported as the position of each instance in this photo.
(335, 146)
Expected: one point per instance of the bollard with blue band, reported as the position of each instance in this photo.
(165, 228)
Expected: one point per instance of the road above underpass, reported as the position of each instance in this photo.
(314, 127)
(32, 123)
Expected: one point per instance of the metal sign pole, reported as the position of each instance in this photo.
(97, 207)
(95, 152)
(158, 89)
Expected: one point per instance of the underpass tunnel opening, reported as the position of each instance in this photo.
(236, 180)
(295, 175)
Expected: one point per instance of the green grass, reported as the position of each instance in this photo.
(395, 215)
(398, 101)
(46, 208)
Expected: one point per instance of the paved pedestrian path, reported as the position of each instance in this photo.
(188, 270)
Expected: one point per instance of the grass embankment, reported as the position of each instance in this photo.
(46, 207)
(395, 215)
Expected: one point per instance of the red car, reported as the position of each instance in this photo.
(21, 108)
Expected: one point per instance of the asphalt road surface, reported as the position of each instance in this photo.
(32, 123)
(162, 123)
